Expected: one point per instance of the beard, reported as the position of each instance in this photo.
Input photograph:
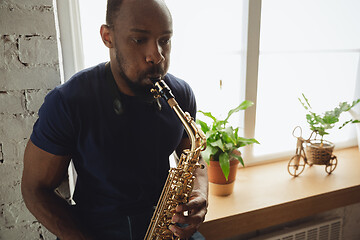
(138, 85)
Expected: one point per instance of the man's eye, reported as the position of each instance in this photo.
(165, 41)
(138, 40)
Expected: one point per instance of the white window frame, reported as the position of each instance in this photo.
(72, 55)
(252, 46)
(70, 36)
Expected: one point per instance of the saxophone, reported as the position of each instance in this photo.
(180, 180)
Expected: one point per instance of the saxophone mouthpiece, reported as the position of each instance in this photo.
(161, 88)
(155, 80)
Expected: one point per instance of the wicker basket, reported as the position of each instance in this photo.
(319, 153)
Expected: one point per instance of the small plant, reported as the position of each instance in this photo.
(321, 123)
(222, 140)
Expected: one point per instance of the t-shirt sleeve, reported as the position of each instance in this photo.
(53, 131)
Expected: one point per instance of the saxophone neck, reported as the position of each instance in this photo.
(196, 136)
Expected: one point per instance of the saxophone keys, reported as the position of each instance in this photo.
(166, 234)
(187, 175)
(198, 165)
(155, 93)
(169, 214)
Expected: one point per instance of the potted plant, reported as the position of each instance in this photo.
(320, 151)
(222, 155)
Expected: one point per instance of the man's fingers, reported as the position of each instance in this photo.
(195, 218)
(183, 232)
(179, 218)
(196, 210)
(194, 203)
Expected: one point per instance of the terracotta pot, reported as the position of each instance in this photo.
(217, 181)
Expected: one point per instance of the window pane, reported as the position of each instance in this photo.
(92, 16)
(206, 48)
(309, 47)
(289, 25)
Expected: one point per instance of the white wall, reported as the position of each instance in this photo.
(29, 68)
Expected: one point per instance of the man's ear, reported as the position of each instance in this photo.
(106, 36)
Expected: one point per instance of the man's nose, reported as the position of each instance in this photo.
(154, 55)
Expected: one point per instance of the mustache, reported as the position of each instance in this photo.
(154, 71)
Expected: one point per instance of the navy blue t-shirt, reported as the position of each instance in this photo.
(122, 161)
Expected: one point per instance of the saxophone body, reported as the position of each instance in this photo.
(180, 180)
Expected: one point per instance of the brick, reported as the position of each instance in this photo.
(11, 213)
(26, 4)
(13, 193)
(23, 233)
(26, 22)
(2, 53)
(15, 128)
(9, 51)
(20, 233)
(16, 222)
(37, 50)
(10, 172)
(12, 102)
(13, 151)
(1, 154)
(34, 99)
(41, 77)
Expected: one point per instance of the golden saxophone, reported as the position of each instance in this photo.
(180, 180)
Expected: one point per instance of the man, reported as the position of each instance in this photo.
(106, 120)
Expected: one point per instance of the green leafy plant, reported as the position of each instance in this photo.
(222, 140)
(321, 123)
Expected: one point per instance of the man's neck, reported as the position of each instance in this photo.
(120, 82)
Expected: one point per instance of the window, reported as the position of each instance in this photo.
(265, 51)
(309, 47)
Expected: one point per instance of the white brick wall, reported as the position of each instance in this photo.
(34, 99)
(29, 69)
(34, 50)
(27, 17)
(44, 77)
(11, 102)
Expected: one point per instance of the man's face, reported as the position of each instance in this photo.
(142, 41)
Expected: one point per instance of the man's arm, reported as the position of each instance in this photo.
(198, 201)
(42, 173)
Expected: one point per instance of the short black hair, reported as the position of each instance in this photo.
(112, 8)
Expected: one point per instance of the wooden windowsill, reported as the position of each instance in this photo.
(267, 195)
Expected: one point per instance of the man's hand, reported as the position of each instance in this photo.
(196, 209)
